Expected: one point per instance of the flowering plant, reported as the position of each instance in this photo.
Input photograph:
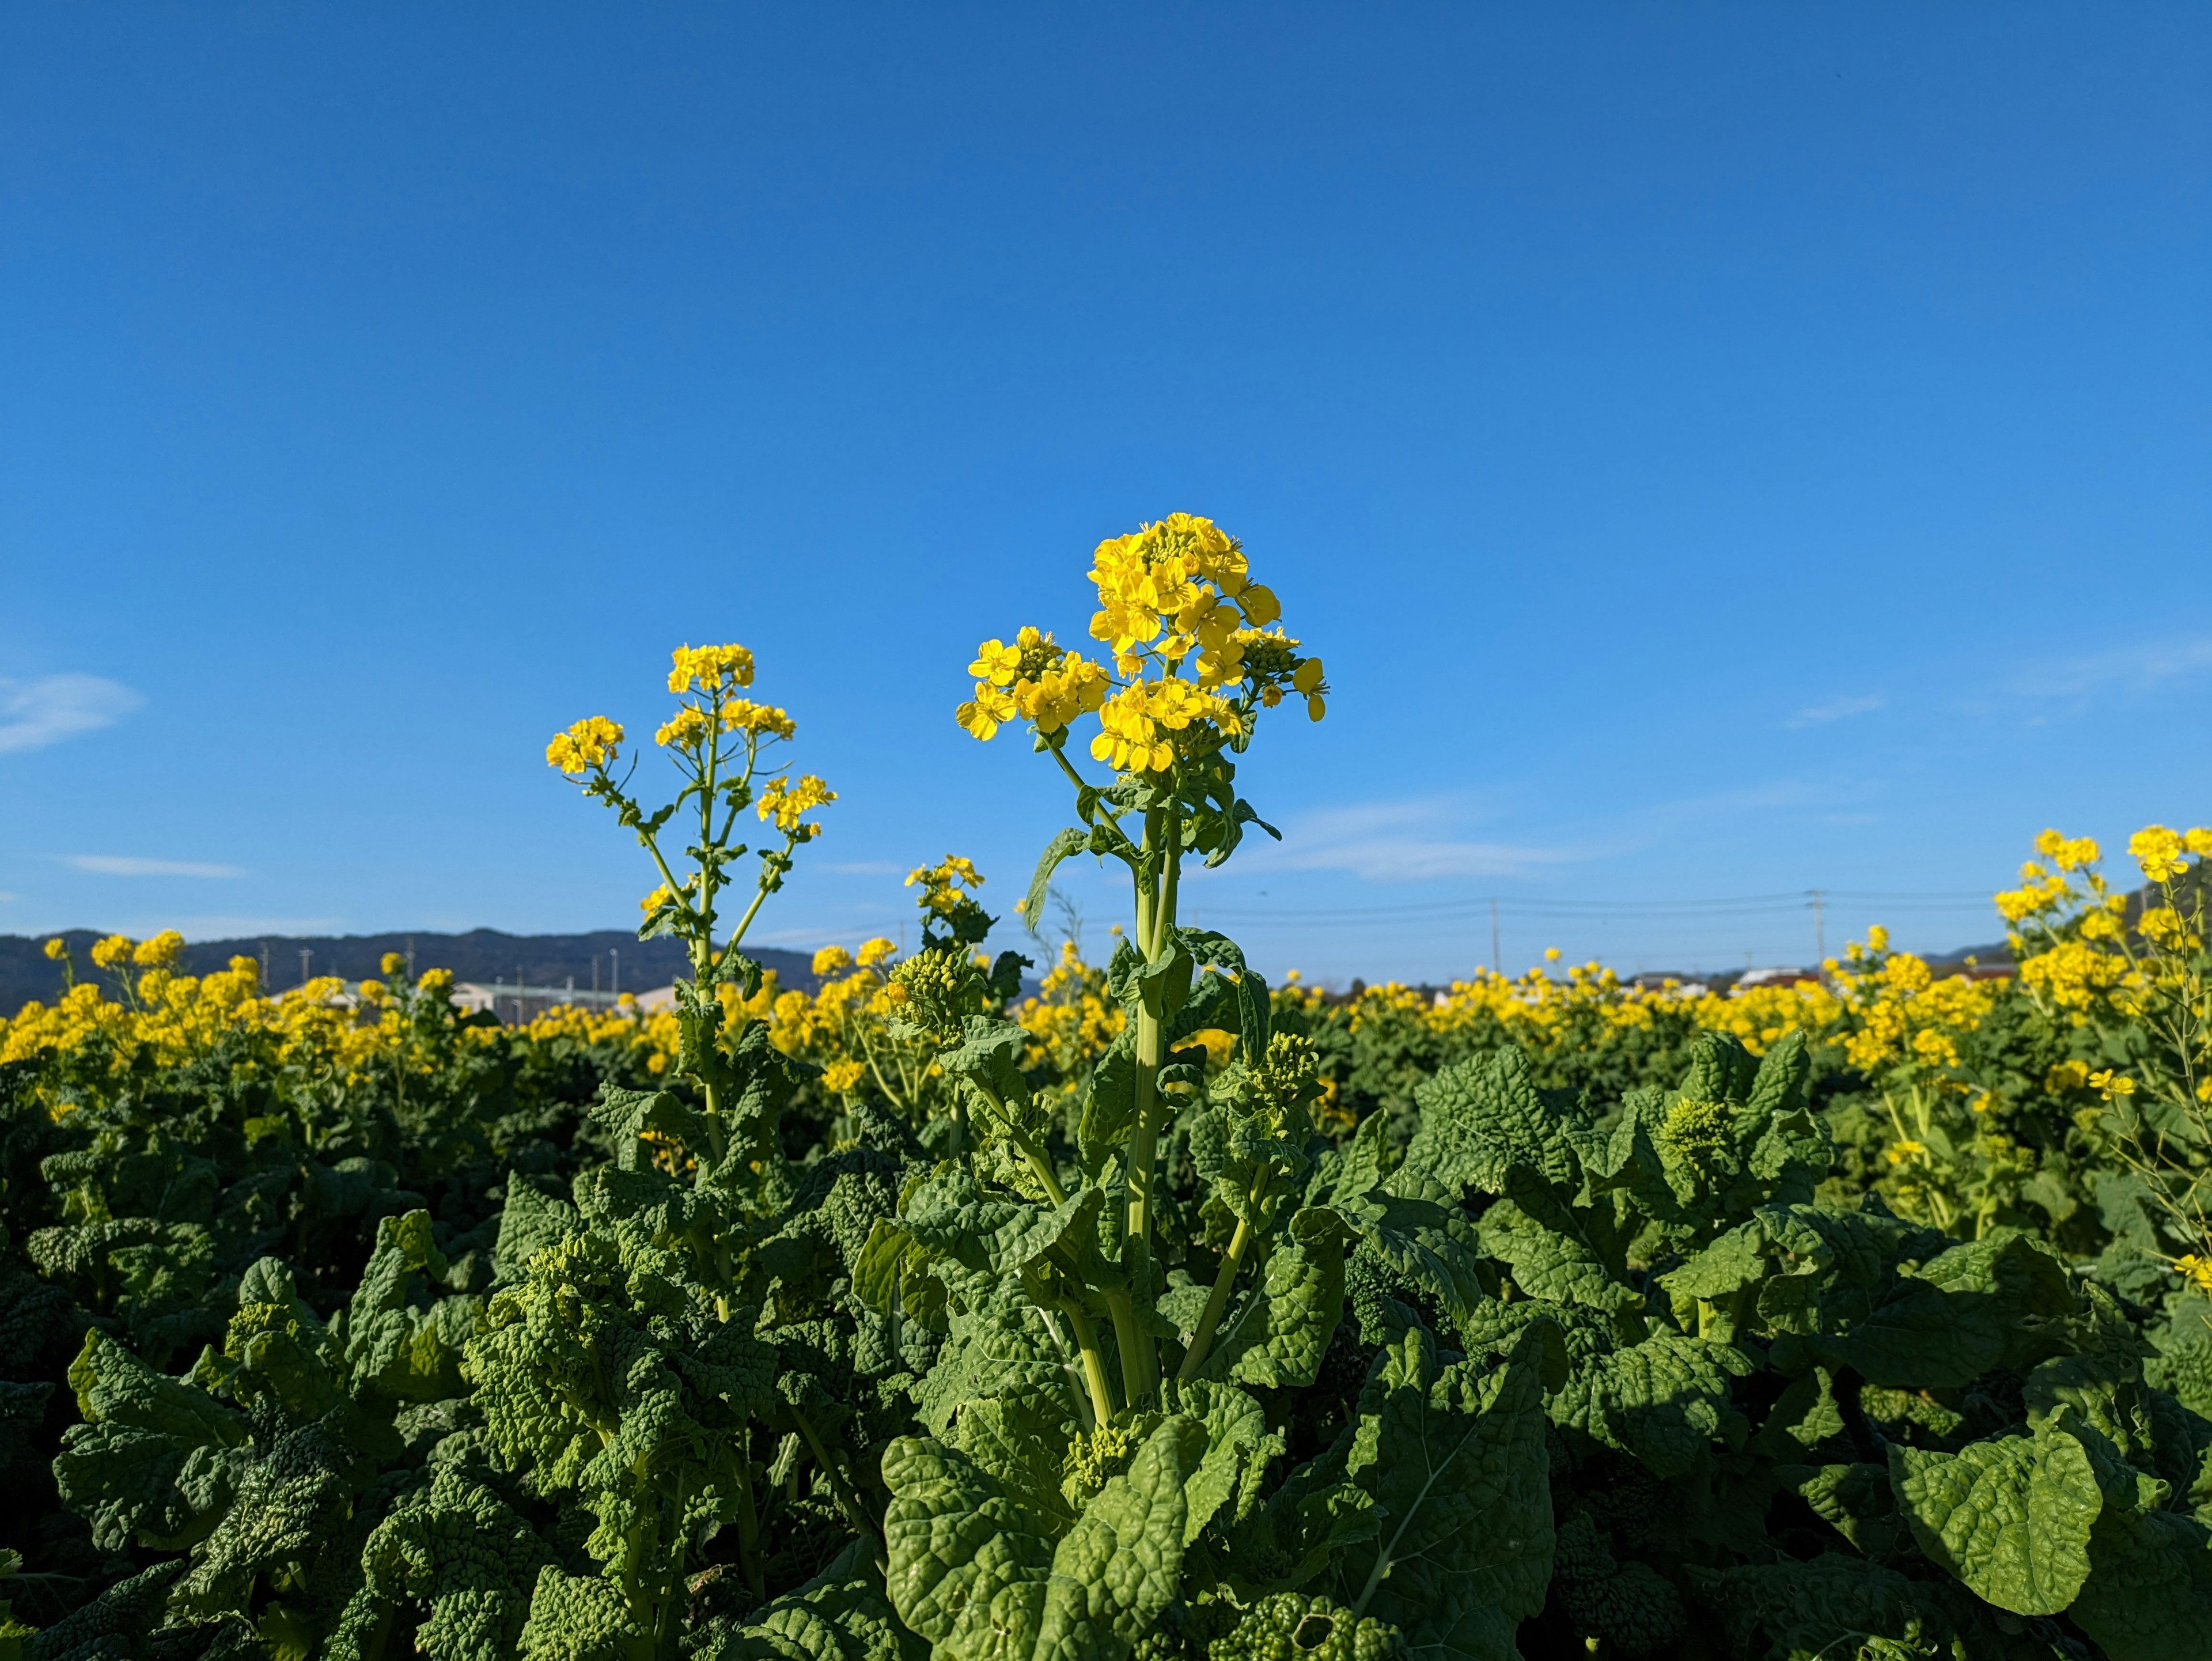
(718, 741)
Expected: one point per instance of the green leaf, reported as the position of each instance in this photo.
(1665, 1400)
(977, 1576)
(2149, 1597)
(1484, 1117)
(1546, 1245)
(2010, 1517)
(841, 1615)
(1454, 1459)
(1238, 1448)
(1065, 845)
(1277, 1336)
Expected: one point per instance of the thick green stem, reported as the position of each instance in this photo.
(848, 1501)
(1155, 927)
(749, 1521)
(1094, 1364)
(1217, 1299)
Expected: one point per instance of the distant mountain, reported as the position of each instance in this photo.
(482, 954)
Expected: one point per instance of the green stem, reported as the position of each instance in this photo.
(1155, 924)
(1217, 1299)
(848, 1501)
(1094, 1364)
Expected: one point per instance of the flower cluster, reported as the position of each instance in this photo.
(788, 804)
(1196, 645)
(709, 669)
(590, 743)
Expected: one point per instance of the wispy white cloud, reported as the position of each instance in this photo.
(34, 713)
(118, 865)
(2131, 670)
(1837, 708)
(1397, 842)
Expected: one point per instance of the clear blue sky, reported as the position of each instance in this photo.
(1718, 450)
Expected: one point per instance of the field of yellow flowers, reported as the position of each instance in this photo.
(1141, 1311)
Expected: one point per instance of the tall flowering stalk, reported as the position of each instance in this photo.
(720, 743)
(1195, 651)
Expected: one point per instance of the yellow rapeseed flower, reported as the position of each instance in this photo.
(683, 729)
(391, 963)
(831, 960)
(2113, 1083)
(2197, 1271)
(589, 743)
(1899, 1151)
(57, 948)
(876, 951)
(786, 803)
(709, 668)
(2160, 852)
(841, 1076)
(108, 952)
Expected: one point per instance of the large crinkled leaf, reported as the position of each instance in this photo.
(1982, 1304)
(841, 1615)
(996, 1345)
(529, 1222)
(2011, 1518)
(1485, 1116)
(2149, 1597)
(1277, 1336)
(582, 1618)
(1665, 1400)
(952, 1216)
(1433, 1246)
(1020, 1439)
(1454, 1457)
(1826, 1606)
(1545, 1244)
(974, 1572)
(157, 1460)
(1238, 1447)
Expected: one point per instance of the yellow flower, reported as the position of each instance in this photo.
(709, 668)
(372, 991)
(661, 896)
(2064, 1076)
(2067, 854)
(391, 963)
(832, 958)
(160, 952)
(683, 729)
(115, 949)
(982, 716)
(589, 743)
(876, 951)
(996, 663)
(2113, 1083)
(1877, 939)
(57, 948)
(786, 803)
(1899, 1151)
(1551, 954)
(2198, 840)
(2160, 852)
(841, 1076)
(2197, 1271)
(761, 720)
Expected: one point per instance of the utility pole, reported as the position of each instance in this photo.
(615, 952)
(1820, 925)
(307, 954)
(1496, 957)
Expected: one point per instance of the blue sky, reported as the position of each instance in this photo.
(1719, 451)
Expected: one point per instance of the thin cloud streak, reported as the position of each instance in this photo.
(1837, 708)
(34, 713)
(118, 865)
(1395, 842)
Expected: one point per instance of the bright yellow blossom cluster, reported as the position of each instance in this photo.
(1195, 651)
(709, 669)
(589, 743)
(786, 804)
